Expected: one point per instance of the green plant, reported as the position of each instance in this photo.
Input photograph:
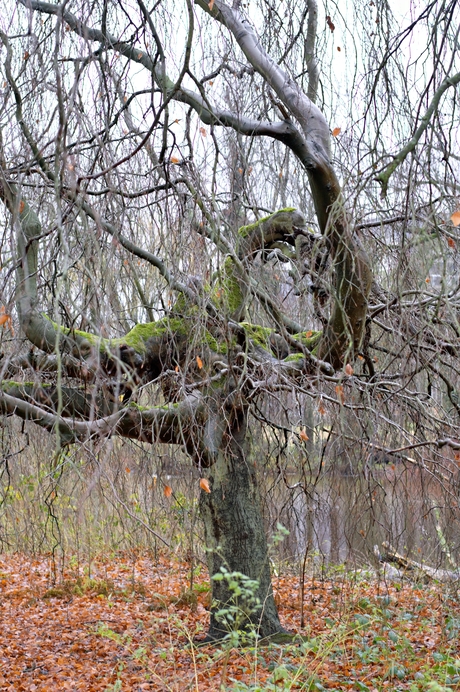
(235, 615)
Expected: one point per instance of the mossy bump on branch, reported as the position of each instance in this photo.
(245, 231)
(309, 339)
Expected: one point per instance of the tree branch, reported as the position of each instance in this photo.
(312, 148)
(385, 175)
(182, 424)
(310, 50)
(284, 132)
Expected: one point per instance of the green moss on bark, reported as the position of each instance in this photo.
(259, 335)
(244, 231)
(294, 357)
(11, 384)
(309, 339)
(227, 294)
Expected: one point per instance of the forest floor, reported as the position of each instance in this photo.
(131, 623)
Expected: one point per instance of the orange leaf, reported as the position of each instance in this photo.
(127, 469)
(336, 131)
(204, 485)
(167, 491)
(203, 132)
(339, 392)
(321, 408)
(451, 242)
(308, 334)
(348, 369)
(455, 218)
(4, 318)
(177, 368)
(199, 362)
(303, 435)
(21, 206)
(174, 159)
(211, 5)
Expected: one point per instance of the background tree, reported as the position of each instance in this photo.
(123, 152)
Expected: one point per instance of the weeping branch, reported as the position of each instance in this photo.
(310, 144)
(385, 175)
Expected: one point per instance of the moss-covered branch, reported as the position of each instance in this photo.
(189, 423)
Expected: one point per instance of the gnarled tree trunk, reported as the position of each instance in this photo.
(236, 540)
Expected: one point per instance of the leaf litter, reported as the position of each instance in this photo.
(132, 624)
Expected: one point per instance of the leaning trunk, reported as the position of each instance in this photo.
(237, 545)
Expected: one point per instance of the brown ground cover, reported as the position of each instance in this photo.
(130, 624)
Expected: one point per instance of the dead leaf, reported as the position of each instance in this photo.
(451, 242)
(174, 159)
(199, 362)
(21, 206)
(204, 485)
(303, 435)
(340, 394)
(455, 218)
(167, 491)
(211, 5)
(203, 132)
(330, 23)
(348, 369)
(336, 131)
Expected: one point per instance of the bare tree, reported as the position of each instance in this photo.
(112, 167)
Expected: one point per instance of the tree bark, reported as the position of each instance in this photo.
(235, 537)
